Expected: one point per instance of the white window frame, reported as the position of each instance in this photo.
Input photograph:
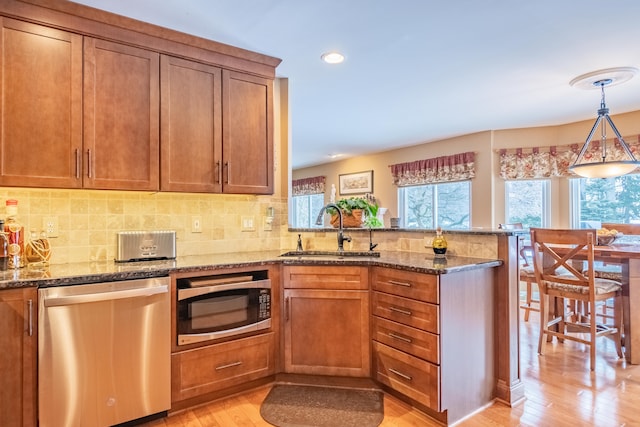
(434, 201)
(546, 200)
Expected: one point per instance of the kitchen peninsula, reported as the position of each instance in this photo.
(469, 276)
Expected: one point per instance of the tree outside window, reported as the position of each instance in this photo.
(615, 200)
(305, 210)
(527, 202)
(447, 205)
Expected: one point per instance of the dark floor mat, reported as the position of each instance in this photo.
(311, 406)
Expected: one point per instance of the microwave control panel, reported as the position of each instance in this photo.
(264, 301)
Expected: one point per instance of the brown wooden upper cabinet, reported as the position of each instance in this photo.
(217, 129)
(81, 112)
(247, 123)
(121, 117)
(191, 117)
(41, 106)
(48, 102)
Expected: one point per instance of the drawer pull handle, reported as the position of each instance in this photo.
(400, 374)
(393, 282)
(30, 304)
(230, 365)
(399, 337)
(401, 311)
(286, 309)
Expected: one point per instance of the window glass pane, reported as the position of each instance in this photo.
(417, 209)
(600, 200)
(453, 205)
(428, 206)
(305, 210)
(527, 202)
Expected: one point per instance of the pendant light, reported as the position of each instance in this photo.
(605, 168)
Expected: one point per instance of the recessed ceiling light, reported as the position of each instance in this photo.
(332, 57)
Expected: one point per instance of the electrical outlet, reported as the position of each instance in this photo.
(196, 224)
(50, 226)
(248, 223)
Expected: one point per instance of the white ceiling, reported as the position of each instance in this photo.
(419, 70)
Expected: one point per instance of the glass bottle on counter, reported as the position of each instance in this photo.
(439, 244)
(15, 235)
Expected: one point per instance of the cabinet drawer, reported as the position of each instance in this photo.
(323, 277)
(423, 287)
(208, 369)
(418, 314)
(409, 375)
(416, 342)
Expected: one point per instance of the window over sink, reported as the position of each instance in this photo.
(447, 205)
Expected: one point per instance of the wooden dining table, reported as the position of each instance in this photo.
(627, 255)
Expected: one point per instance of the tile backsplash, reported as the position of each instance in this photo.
(89, 219)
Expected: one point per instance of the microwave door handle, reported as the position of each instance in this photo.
(187, 293)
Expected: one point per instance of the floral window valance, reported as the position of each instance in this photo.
(547, 162)
(457, 167)
(306, 186)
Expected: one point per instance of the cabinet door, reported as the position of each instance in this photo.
(121, 117)
(41, 106)
(247, 105)
(327, 332)
(191, 123)
(18, 357)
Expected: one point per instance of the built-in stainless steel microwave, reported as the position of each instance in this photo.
(214, 307)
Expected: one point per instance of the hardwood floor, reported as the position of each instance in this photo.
(560, 391)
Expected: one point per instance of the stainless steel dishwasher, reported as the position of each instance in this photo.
(104, 352)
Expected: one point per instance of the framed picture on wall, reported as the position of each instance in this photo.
(356, 183)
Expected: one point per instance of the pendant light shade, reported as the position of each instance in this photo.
(606, 167)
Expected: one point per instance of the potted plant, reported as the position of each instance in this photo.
(356, 211)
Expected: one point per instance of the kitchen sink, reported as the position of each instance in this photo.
(338, 254)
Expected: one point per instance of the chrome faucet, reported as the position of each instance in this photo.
(341, 237)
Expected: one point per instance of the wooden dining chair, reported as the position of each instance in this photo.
(563, 262)
(526, 274)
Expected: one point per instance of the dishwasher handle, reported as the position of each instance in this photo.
(105, 296)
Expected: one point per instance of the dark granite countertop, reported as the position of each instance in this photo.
(106, 271)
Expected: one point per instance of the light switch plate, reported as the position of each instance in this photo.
(267, 223)
(196, 224)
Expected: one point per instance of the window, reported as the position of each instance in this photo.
(305, 210)
(447, 205)
(597, 200)
(527, 201)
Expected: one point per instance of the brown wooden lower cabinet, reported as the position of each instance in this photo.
(326, 320)
(18, 369)
(433, 338)
(208, 369)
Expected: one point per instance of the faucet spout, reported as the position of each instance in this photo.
(341, 237)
